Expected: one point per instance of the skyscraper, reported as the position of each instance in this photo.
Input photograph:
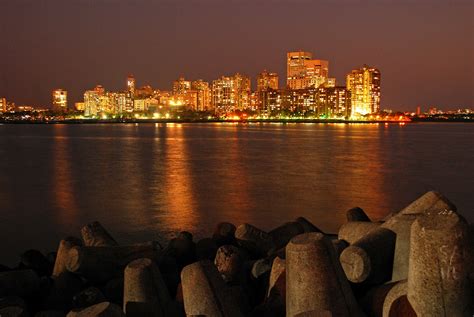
(59, 99)
(364, 85)
(304, 72)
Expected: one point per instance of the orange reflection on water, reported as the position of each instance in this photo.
(179, 196)
(63, 189)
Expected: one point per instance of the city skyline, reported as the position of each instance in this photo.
(79, 44)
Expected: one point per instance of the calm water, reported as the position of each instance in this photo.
(148, 181)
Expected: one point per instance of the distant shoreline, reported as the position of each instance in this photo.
(128, 121)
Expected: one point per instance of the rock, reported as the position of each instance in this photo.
(88, 297)
(62, 255)
(35, 260)
(355, 230)
(94, 235)
(261, 267)
(19, 283)
(145, 292)
(104, 309)
(206, 249)
(254, 240)
(229, 261)
(370, 259)
(357, 214)
(431, 201)
(314, 278)
(205, 292)
(100, 264)
(224, 234)
(438, 265)
(283, 234)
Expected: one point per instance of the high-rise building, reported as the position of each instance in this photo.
(334, 102)
(203, 94)
(304, 72)
(231, 93)
(364, 85)
(266, 80)
(131, 86)
(181, 86)
(92, 101)
(59, 99)
(3, 105)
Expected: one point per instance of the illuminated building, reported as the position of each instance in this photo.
(364, 85)
(203, 93)
(79, 106)
(302, 100)
(271, 100)
(92, 101)
(3, 104)
(231, 93)
(59, 99)
(334, 102)
(139, 105)
(131, 86)
(144, 92)
(181, 86)
(183, 95)
(266, 80)
(304, 72)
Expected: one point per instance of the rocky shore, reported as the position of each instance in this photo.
(416, 262)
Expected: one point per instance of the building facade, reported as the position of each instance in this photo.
(231, 93)
(59, 99)
(364, 85)
(203, 92)
(304, 72)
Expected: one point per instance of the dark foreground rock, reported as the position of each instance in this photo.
(416, 262)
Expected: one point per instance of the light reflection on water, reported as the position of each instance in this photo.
(148, 181)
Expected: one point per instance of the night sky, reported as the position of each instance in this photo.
(424, 49)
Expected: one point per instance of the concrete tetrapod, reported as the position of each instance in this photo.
(229, 262)
(401, 223)
(283, 234)
(370, 259)
(62, 255)
(254, 239)
(388, 300)
(438, 283)
(145, 292)
(357, 214)
(315, 280)
(205, 292)
(355, 230)
(100, 264)
(94, 235)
